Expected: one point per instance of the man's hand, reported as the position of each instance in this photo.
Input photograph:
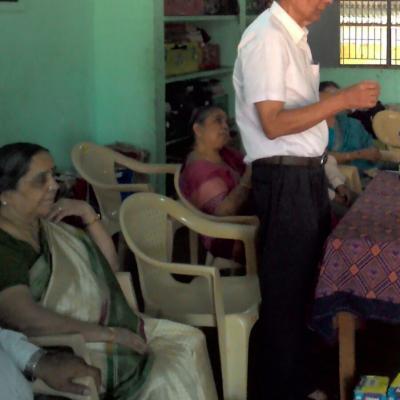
(59, 370)
(343, 195)
(362, 95)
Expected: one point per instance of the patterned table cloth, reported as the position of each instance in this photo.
(360, 270)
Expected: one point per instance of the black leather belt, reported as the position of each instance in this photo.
(293, 161)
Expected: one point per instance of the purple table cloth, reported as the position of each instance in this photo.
(360, 270)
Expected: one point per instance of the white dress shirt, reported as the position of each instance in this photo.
(15, 352)
(17, 347)
(274, 62)
(335, 177)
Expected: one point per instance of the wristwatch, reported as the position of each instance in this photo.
(32, 363)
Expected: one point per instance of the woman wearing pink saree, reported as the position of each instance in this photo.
(214, 177)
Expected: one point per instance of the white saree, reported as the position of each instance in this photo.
(180, 369)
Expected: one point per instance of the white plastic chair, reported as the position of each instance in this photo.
(386, 125)
(76, 343)
(96, 164)
(353, 180)
(230, 304)
(194, 239)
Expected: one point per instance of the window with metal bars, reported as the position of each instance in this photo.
(370, 32)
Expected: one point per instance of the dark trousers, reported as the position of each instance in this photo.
(293, 207)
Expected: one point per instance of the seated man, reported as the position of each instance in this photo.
(349, 142)
(56, 369)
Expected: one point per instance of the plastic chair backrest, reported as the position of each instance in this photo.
(144, 223)
(386, 125)
(97, 166)
(148, 233)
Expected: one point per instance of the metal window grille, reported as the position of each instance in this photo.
(370, 32)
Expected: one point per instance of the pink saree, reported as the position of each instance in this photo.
(206, 184)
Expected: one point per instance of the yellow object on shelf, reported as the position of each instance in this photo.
(182, 58)
(371, 387)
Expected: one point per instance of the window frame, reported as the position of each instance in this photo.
(388, 26)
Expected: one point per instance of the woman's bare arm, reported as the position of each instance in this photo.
(67, 207)
(20, 312)
(234, 200)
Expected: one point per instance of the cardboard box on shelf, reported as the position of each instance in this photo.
(394, 389)
(184, 7)
(210, 56)
(182, 58)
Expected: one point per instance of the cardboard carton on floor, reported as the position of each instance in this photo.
(394, 389)
(372, 387)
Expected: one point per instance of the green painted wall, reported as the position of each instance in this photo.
(83, 70)
(78, 70)
(388, 78)
(46, 78)
(124, 72)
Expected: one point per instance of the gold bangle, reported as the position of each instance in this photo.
(96, 218)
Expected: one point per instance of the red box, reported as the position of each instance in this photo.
(210, 58)
(184, 7)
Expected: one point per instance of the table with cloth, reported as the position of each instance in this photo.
(360, 270)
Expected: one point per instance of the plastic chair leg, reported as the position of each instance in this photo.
(194, 247)
(234, 376)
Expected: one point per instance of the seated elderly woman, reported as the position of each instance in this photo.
(349, 142)
(57, 279)
(214, 177)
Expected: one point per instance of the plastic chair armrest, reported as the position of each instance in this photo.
(143, 167)
(126, 187)
(390, 155)
(40, 387)
(222, 230)
(184, 269)
(236, 219)
(75, 341)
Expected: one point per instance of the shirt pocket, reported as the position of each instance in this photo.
(315, 77)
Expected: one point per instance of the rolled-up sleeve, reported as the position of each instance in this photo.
(335, 177)
(17, 346)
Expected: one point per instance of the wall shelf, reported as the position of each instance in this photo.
(224, 30)
(200, 75)
(200, 18)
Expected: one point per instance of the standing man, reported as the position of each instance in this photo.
(283, 129)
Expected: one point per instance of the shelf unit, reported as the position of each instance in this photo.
(214, 73)
(225, 30)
